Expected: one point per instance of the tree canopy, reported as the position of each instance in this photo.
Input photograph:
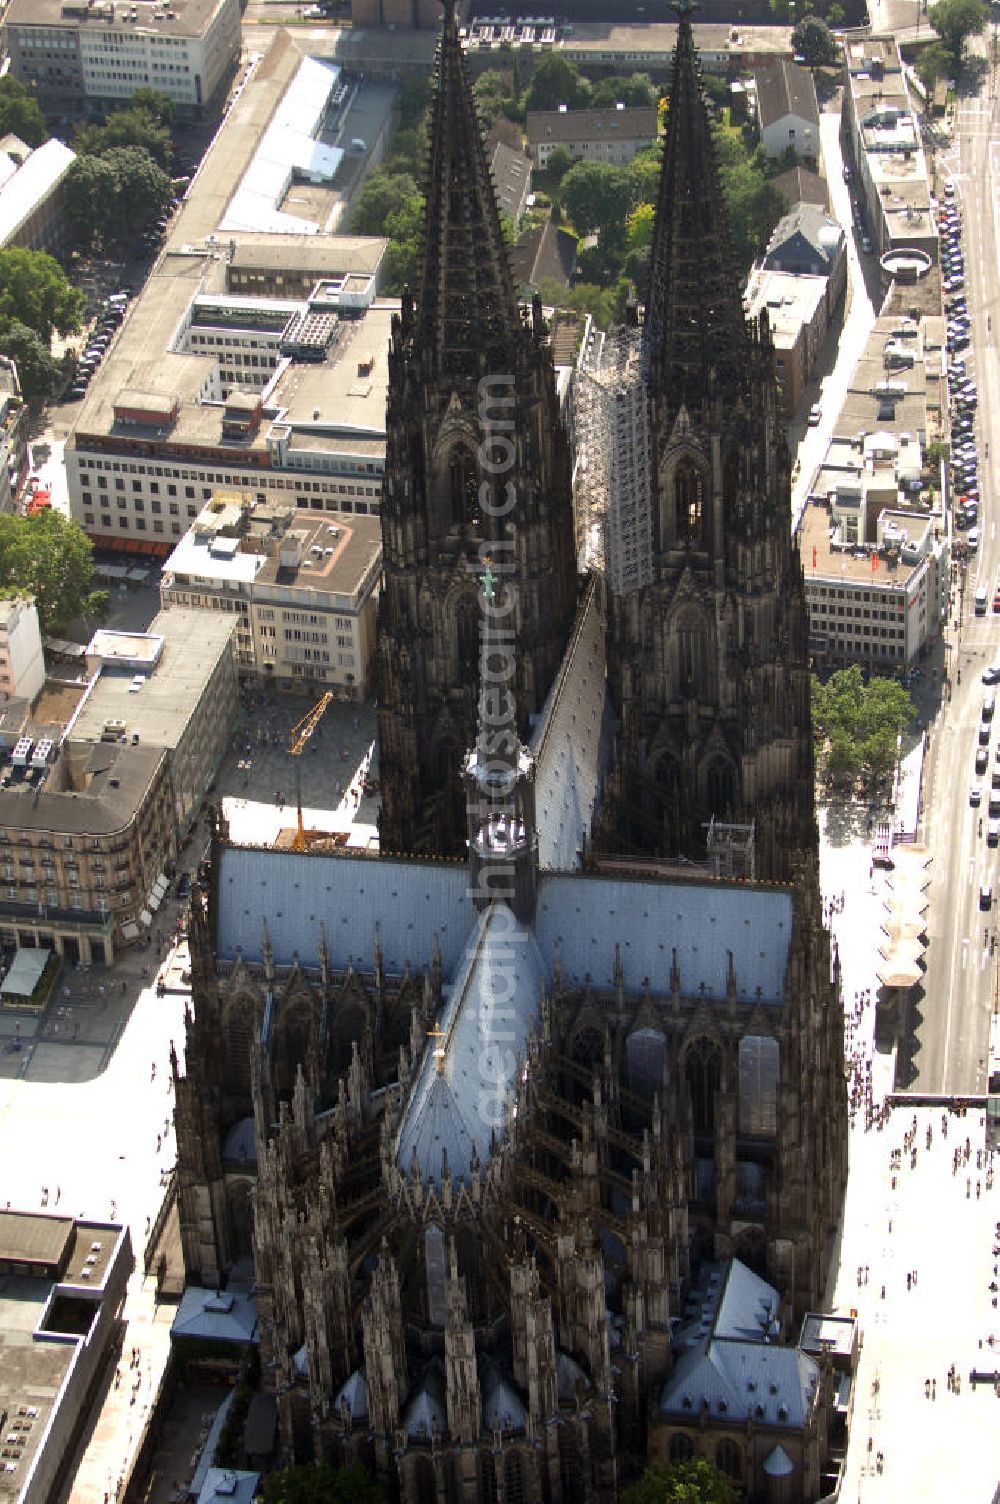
(159, 106)
(37, 367)
(813, 40)
(955, 21)
(554, 82)
(131, 127)
(383, 195)
(319, 1483)
(52, 559)
(596, 196)
(859, 721)
(124, 190)
(34, 290)
(696, 1481)
(20, 113)
(635, 89)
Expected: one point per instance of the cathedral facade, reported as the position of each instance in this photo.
(478, 1126)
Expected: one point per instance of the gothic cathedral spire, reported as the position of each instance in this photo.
(467, 316)
(477, 467)
(695, 329)
(708, 664)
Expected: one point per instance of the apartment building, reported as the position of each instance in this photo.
(787, 109)
(172, 687)
(84, 832)
(874, 581)
(613, 135)
(873, 539)
(22, 662)
(880, 123)
(13, 435)
(800, 281)
(302, 590)
(91, 55)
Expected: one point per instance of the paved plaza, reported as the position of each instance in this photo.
(925, 1220)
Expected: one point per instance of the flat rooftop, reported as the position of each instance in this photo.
(822, 562)
(790, 300)
(90, 790)
(33, 1370)
(338, 564)
(193, 643)
(189, 17)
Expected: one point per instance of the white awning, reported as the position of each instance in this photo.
(154, 900)
(146, 917)
(130, 931)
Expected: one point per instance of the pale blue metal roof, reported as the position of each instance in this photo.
(490, 1009)
(503, 1407)
(354, 1393)
(772, 1385)
(586, 916)
(427, 1410)
(228, 1315)
(749, 1305)
(569, 746)
(411, 901)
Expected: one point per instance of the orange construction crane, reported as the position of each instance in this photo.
(300, 734)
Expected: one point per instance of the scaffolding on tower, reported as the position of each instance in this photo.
(613, 479)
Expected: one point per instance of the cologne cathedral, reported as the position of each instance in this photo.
(531, 1129)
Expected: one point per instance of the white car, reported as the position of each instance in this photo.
(815, 414)
(975, 795)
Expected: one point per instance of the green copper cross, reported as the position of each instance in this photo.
(685, 7)
(488, 580)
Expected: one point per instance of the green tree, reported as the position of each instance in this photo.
(144, 189)
(20, 113)
(639, 227)
(414, 98)
(319, 1483)
(596, 196)
(126, 128)
(753, 204)
(52, 559)
(35, 290)
(91, 196)
(933, 63)
(158, 106)
(491, 95)
(644, 173)
(634, 90)
(554, 82)
(860, 721)
(558, 163)
(125, 190)
(955, 21)
(383, 195)
(813, 40)
(37, 367)
(696, 1481)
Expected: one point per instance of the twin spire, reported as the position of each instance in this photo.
(467, 317)
(467, 313)
(694, 308)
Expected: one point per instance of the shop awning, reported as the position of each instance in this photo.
(907, 906)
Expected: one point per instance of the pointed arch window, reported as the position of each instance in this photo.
(688, 503)
(721, 788)
(467, 618)
(463, 485)
(703, 1072)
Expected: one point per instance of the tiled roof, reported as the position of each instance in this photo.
(784, 88)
